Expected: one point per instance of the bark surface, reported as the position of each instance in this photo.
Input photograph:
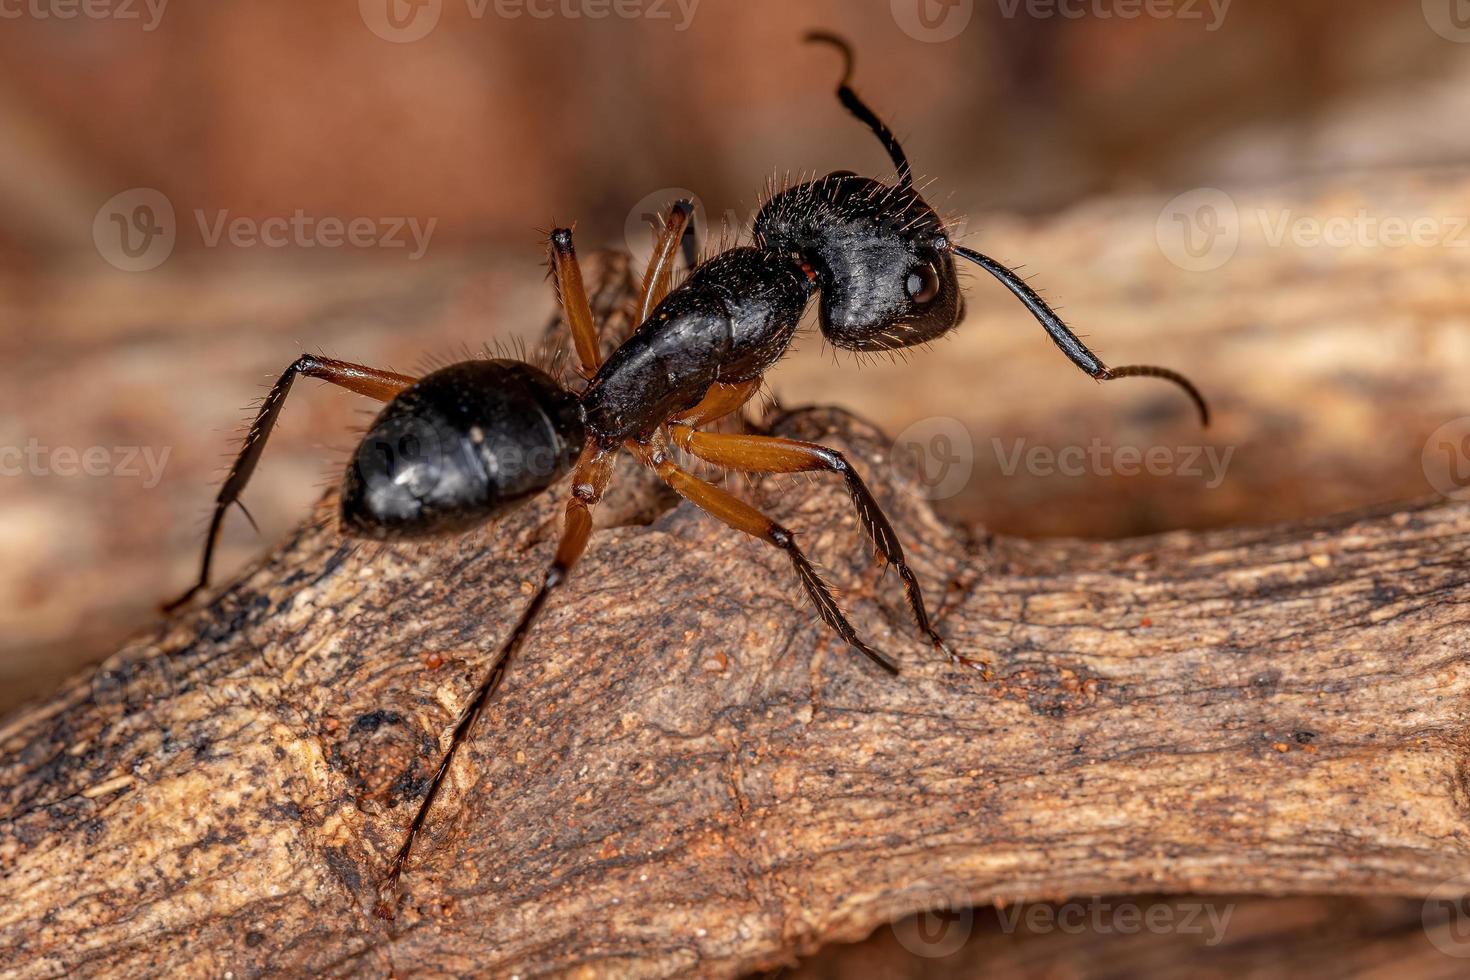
(684, 772)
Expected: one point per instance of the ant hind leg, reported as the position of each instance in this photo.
(591, 477)
(372, 382)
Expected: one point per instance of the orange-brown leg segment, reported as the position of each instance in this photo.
(382, 385)
(771, 454)
(572, 294)
(721, 400)
(660, 274)
(743, 517)
(590, 479)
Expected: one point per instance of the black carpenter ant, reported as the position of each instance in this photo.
(487, 435)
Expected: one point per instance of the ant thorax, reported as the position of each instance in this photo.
(730, 321)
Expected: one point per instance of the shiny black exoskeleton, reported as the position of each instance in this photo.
(730, 321)
(461, 446)
(877, 253)
(881, 257)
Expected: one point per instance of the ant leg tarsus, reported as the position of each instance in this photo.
(736, 513)
(571, 293)
(589, 482)
(773, 454)
(372, 382)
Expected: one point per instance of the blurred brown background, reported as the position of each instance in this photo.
(1060, 129)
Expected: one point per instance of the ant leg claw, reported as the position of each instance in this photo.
(387, 907)
(176, 604)
(959, 660)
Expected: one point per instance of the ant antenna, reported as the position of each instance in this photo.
(1070, 343)
(859, 108)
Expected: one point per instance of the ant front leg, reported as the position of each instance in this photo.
(741, 516)
(589, 481)
(773, 454)
(382, 385)
(566, 273)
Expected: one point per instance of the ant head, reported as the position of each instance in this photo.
(885, 264)
(879, 254)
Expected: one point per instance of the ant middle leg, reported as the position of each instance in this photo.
(590, 479)
(721, 400)
(773, 454)
(372, 382)
(660, 276)
(736, 513)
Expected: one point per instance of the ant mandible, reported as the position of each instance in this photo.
(492, 433)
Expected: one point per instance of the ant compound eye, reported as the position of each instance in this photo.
(923, 284)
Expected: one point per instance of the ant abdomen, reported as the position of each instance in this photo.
(459, 447)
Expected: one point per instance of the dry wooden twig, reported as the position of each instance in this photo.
(685, 773)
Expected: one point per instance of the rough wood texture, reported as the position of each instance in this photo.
(684, 773)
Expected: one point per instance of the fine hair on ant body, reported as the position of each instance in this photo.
(492, 433)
